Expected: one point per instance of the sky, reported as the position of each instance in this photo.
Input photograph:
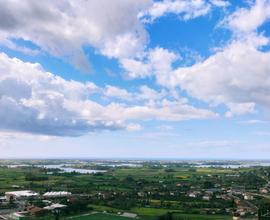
(182, 79)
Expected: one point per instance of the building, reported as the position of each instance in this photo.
(20, 216)
(3, 199)
(129, 215)
(20, 194)
(55, 206)
(248, 196)
(236, 216)
(194, 194)
(32, 212)
(56, 194)
(264, 190)
(35, 211)
(206, 197)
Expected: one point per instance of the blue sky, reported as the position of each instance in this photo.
(135, 79)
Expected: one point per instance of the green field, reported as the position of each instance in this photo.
(150, 191)
(203, 217)
(100, 216)
(150, 213)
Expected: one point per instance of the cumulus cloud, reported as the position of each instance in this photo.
(134, 127)
(220, 3)
(114, 28)
(62, 28)
(249, 19)
(112, 91)
(8, 136)
(185, 9)
(147, 93)
(157, 61)
(35, 101)
(165, 127)
(237, 76)
(215, 143)
(144, 93)
(253, 122)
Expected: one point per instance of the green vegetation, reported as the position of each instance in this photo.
(100, 216)
(151, 190)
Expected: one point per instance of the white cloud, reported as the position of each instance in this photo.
(134, 127)
(35, 101)
(11, 45)
(215, 143)
(144, 93)
(147, 93)
(136, 68)
(157, 61)
(6, 136)
(167, 110)
(165, 127)
(125, 46)
(237, 76)
(62, 28)
(249, 19)
(185, 9)
(220, 3)
(112, 91)
(253, 121)
(240, 108)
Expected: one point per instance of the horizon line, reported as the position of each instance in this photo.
(135, 158)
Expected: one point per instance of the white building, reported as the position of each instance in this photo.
(20, 194)
(248, 196)
(56, 194)
(264, 190)
(129, 215)
(3, 199)
(206, 197)
(55, 206)
(194, 194)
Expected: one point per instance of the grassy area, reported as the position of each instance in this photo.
(133, 190)
(101, 208)
(151, 213)
(110, 181)
(203, 217)
(100, 216)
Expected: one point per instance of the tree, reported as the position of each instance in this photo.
(167, 216)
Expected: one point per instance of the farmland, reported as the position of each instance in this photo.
(100, 216)
(148, 190)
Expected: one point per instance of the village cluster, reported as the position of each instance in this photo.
(151, 189)
(20, 201)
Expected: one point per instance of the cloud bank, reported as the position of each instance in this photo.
(35, 101)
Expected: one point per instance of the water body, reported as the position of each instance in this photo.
(65, 169)
(234, 166)
(132, 165)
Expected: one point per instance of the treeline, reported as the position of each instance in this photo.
(35, 177)
(172, 216)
